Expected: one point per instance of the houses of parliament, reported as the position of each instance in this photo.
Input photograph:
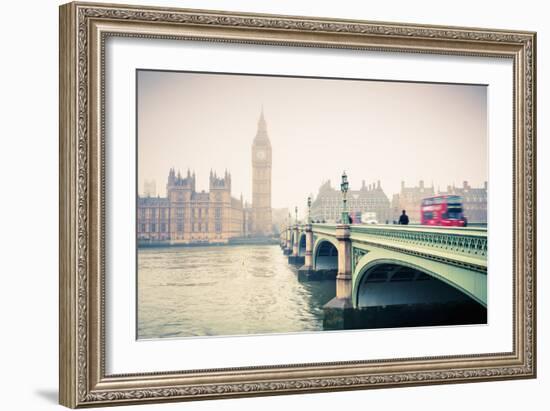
(187, 216)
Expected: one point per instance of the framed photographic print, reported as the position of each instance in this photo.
(259, 204)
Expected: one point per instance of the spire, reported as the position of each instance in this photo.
(261, 134)
(171, 177)
(262, 118)
(262, 125)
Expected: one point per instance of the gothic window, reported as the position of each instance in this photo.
(153, 227)
(179, 227)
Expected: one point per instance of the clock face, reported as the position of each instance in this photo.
(260, 155)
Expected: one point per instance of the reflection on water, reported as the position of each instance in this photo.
(226, 290)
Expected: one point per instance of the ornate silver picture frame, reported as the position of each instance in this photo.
(85, 28)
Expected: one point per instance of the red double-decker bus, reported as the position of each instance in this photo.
(444, 210)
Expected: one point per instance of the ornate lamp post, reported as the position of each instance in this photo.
(296, 213)
(344, 188)
(309, 209)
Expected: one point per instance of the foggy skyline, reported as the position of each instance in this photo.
(387, 131)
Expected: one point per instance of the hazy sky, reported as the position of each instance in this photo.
(388, 131)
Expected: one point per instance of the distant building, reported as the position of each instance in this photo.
(247, 219)
(186, 216)
(410, 199)
(153, 219)
(327, 205)
(149, 188)
(261, 181)
(280, 219)
(474, 201)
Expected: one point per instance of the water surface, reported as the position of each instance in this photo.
(225, 290)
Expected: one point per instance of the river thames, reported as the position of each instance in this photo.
(225, 290)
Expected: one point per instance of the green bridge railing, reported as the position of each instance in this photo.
(466, 241)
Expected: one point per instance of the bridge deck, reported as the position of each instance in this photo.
(462, 245)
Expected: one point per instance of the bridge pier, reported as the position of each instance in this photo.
(339, 311)
(306, 272)
(457, 257)
(295, 258)
(288, 247)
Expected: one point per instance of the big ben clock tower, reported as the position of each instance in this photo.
(261, 181)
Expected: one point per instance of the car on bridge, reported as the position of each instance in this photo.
(368, 217)
(443, 210)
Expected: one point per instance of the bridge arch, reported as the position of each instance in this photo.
(378, 268)
(325, 254)
(302, 244)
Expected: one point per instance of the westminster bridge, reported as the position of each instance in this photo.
(379, 266)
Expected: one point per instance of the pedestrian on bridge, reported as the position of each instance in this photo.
(403, 218)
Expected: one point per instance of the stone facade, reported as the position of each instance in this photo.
(371, 198)
(186, 216)
(261, 181)
(474, 201)
(153, 219)
(410, 200)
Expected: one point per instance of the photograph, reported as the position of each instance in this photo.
(283, 204)
(265, 202)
